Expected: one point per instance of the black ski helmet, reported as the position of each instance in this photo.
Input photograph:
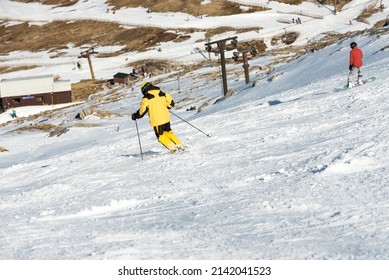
(353, 45)
(144, 87)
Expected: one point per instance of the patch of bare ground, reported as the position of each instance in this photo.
(330, 3)
(53, 130)
(60, 3)
(86, 125)
(193, 7)
(3, 149)
(223, 29)
(57, 35)
(215, 7)
(366, 13)
(301, 50)
(4, 70)
(83, 89)
(291, 2)
(287, 38)
(259, 46)
(156, 67)
(381, 23)
(36, 127)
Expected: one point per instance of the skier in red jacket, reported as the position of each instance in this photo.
(356, 57)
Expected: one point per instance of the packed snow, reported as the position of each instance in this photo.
(291, 170)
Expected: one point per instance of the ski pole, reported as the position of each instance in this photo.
(140, 145)
(190, 124)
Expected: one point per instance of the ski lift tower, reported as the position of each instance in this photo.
(246, 65)
(86, 54)
(221, 47)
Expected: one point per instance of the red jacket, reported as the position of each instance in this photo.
(356, 57)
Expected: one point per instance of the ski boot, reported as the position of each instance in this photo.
(359, 81)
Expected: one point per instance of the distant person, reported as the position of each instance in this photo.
(157, 104)
(141, 72)
(133, 73)
(355, 65)
(13, 114)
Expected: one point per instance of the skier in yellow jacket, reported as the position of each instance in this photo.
(156, 103)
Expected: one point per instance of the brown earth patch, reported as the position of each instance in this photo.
(366, 13)
(259, 46)
(291, 2)
(38, 38)
(223, 29)
(287, 38)
(41, 127)
(381, 23)
(82, 90)
(192, 7)
(3, 149)
(13, 69)
(60, 3)
(58, 34)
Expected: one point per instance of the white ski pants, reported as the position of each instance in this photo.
(352, 74)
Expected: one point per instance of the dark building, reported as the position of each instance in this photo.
(35, 90)
(121, 78)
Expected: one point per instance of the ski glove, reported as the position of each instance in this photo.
(350, 67)
(133, 116)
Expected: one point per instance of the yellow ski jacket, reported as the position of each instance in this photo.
(156, 103)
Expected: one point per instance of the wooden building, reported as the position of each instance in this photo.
(121, 78)
(34, 90)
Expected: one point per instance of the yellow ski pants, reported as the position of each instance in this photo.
(170, 141)
(166, 137)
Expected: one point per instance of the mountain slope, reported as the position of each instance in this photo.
(292, 171)
(57, 34)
